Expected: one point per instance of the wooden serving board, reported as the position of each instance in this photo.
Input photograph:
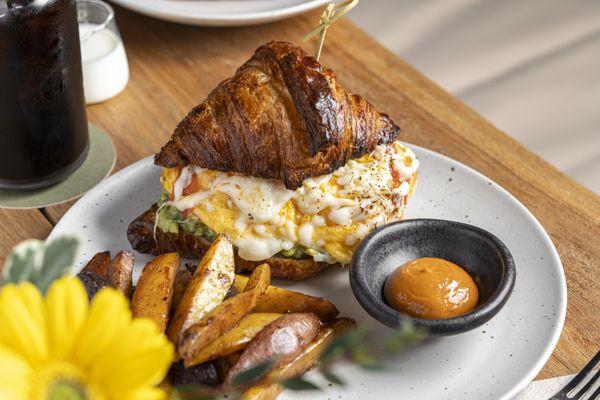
(173, 67)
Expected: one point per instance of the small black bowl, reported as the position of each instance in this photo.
(476, 250)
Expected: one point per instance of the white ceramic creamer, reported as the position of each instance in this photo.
(104, 63)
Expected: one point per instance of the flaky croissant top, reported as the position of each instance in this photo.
(281, 116)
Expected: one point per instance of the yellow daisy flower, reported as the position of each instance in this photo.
(62, 347)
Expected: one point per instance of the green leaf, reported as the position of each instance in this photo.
(343, 344)
(332, 353)
(22, 262)
(331, 377)
(58, 260)
(40, 263)
(298, 384)
(407, 334)
(252, 374)
(164, 197)
(374, 365)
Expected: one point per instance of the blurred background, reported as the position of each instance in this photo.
(530, 67)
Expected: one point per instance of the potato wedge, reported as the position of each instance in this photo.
(182, 280)
(303, 363)
(268, 391)
(262, 391)
(261, 277)
(98, 264)
(310, 356)
(223, 317)
(154, 291)
(236, 338)
(278, 300)
(207, 289)
(283, 339)
(120, 271)
(92, 283)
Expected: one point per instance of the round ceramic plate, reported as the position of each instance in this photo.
(494, 361)
(221, 12)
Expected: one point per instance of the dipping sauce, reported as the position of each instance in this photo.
(431, 288)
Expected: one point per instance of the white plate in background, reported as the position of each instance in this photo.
(221, 12)
(492, 362)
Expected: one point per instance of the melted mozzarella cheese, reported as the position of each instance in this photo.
(182, 182)
(305, 234)
(260, 200)
(328, 214)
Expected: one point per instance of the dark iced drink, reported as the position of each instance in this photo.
(43, 127)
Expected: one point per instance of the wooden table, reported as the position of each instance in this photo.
(174, 67)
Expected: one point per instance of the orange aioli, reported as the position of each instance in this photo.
(431, 288)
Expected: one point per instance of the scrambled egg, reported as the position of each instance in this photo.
(325, 218)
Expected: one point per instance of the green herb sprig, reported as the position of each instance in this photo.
(352, 346)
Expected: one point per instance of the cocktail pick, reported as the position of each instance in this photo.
(332, 13)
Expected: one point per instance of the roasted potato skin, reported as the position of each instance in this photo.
(236, 338)
(283, 301)
(182, 280)
(223, 317)
(154, 291)
(116, 273)
(140, 234)
(92, 283)
(309, 357)
(120, 271)
(269, 389)
(98, 264)
(283, 339)
(207, 289)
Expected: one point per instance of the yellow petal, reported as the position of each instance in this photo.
(147, 369)
(140, 358)
(23, 322)
(97, 344)
(66, 308)
(14, 375)
(147, 393)
(108, 316)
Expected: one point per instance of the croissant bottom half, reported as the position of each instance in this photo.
(140, 234)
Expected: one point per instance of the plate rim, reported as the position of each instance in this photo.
(541, 359)
(218, 19)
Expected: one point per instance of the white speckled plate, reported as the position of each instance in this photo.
(221, 12)
(492, 362)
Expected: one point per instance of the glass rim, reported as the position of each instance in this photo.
(101, 4)
(104, 24)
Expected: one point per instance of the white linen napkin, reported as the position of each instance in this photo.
(543, 389)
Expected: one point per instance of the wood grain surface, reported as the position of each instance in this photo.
(173, 67)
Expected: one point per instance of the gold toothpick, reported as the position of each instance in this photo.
(332, 13)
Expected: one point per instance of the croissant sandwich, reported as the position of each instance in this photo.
(280, 158)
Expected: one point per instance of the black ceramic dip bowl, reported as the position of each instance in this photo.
(477, 251)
